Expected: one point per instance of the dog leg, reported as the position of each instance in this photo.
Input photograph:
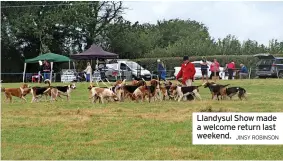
(6, 100)
(180, 97)
(33, 99)
(197, 95)
(46, 97)
(24, 98)
(11, 101)
(94, 97)
(245, 96)
(102, 99)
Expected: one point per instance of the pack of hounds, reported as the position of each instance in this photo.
(135, 91)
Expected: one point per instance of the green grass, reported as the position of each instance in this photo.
(160, 130)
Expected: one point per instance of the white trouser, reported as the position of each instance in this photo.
(189, 82)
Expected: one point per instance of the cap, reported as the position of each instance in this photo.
(185, 58)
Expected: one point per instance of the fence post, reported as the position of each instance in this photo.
(24, 73)
(250, 71)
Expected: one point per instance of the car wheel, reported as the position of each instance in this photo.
(280, 74)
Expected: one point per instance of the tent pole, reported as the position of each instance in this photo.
(51, 72)
(96, 64)
(90, 77)
(74, 65)
(69, 64)
(24, 74)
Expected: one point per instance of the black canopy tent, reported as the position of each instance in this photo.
(94, 53)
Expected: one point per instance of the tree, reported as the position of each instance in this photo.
(61, 27)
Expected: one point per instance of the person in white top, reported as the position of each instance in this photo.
(88, 71)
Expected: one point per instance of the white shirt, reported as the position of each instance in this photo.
(88, 69)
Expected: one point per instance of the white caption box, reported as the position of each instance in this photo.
(237, 128)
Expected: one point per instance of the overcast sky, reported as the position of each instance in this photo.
(260, 21)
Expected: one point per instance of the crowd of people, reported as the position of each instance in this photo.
(188, 71)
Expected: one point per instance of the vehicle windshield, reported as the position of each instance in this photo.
(265, 62)
(134, 65)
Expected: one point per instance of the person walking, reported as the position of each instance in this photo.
(187, 72)
(231, 68)
(88, 71)
(203, 68)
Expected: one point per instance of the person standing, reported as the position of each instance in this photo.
(46, 70)
(231, 68)
(243, 72)
(40, 69)
(203, 68)
(88, 71)
(187, 72)
(161, 71)
(214, 68)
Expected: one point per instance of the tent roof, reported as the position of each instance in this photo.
(51, 57)
(94, 52)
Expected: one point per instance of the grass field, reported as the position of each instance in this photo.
(127, 130)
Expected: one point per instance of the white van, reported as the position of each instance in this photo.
(127, 65)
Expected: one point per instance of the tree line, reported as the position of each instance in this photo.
(31, 28)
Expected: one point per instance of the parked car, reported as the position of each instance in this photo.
(198, 70)
(129, 66)
(269, 66)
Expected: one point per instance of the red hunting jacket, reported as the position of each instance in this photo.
(187, 71)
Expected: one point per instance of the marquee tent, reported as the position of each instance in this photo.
(94, 52)
(50, 57)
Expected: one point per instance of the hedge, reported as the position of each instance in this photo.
(171, 62)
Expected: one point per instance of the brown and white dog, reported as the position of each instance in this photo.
(57, 91)
(40, 91)
(165, 91)
(216, 89)
(16, 92)
(101, 93)
(140, 93)
(182, 92)
(154, 90)
(47, 91)
(128, 90)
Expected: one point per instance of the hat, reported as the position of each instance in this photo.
(185, 58)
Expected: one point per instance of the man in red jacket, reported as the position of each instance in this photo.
(187, 72)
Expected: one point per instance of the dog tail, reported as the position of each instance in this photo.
(123, 82)
(47, 81)
(3, 89)
(47, 90)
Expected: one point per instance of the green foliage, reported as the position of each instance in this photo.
(33, 28)
(175, 38)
